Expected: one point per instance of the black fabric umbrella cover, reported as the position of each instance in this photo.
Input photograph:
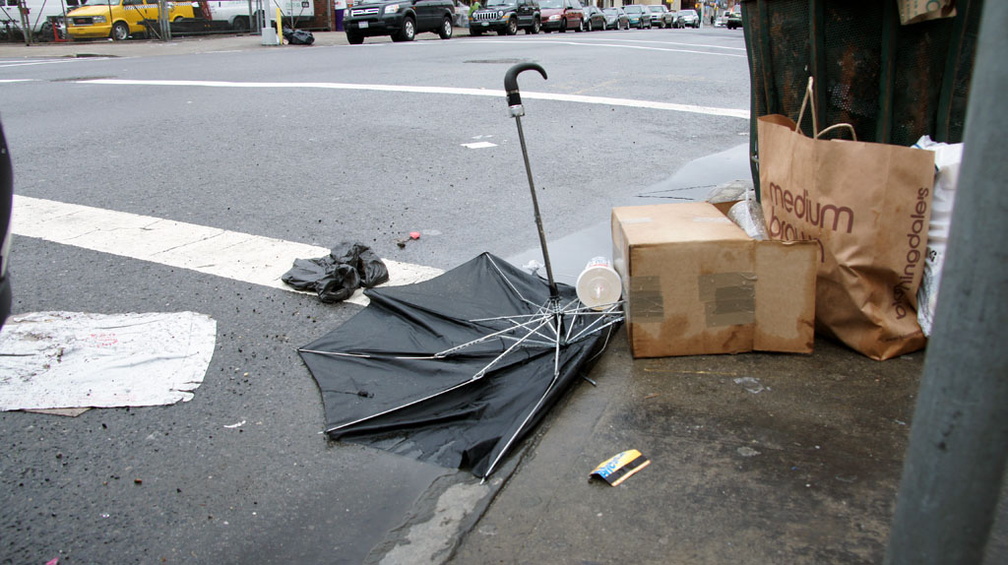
(456, 369)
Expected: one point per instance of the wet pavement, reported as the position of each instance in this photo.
(755, 458)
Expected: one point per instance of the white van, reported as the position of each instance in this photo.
(44, 17)
(241, 14)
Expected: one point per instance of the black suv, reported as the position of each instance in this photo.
(400, 19)
(506, 17)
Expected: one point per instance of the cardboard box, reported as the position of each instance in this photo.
(695, 283)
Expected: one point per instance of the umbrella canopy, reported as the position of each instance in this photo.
(456, 369)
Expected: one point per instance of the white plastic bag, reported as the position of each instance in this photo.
(947, 160)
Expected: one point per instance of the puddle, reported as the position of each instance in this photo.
(570, 254)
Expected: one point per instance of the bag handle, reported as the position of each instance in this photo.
(809, 101)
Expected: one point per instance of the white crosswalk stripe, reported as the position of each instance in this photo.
(234, 255)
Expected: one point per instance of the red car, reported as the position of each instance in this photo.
(561, 15)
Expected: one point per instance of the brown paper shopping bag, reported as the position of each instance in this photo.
(868, 205)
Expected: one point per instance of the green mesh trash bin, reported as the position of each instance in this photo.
(893, 83)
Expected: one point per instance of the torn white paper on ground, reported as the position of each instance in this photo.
(74, 359)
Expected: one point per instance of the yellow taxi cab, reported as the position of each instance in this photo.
(120, 19)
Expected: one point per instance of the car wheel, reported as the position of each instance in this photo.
(446, 29)
(408, 31)
(240, 24)
(354, 38)
(120, 31)
(512, 26)
(588, 26)
(581, 25)
(536, 26)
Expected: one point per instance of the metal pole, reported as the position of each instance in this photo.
(955, 462)
(517, 110)
(163, 20)
(22, 7)
(554, 292)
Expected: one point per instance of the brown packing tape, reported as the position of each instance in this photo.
(646, 302)
(729, 298)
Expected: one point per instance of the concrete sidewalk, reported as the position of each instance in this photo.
(755, 458)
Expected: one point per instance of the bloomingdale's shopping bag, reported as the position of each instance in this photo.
(868, 205)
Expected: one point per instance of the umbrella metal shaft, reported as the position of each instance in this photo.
(554, 293)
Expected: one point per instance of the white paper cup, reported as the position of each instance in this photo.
(598, 285)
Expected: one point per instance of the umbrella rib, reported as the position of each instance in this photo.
(507, 446)
(369, 355)
(509, 283)
(397, 408)
(498, 333)
(589, 330)
(528, 416)
(477, 376)
(591, 327)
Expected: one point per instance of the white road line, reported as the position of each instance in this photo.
(33, 62)
(627, 102)
(653, 42)
(233, 255)
(630, 45)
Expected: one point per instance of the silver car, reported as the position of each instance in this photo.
(687, 18)
(661, 17)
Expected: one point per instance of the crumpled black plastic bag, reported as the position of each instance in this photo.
(348, 267)
(298, 36)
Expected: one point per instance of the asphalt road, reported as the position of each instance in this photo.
(311, 146)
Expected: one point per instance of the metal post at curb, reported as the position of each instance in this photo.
(26, 27)
(164, 21)
(955, 461)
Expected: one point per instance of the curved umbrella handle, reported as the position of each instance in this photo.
(511, 81)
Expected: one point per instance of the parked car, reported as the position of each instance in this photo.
(120, 19)
(734, 20)
(721, 20)
(506, 17)
(594, 19)
(400, 19)
(660, 16)
(638, 15)
(561, 15)
(687, 18)
(616, 18)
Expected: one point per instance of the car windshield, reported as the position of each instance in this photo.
(689, 12)
(632, 9)
(610, 11)
(495, 3)
(551, 4)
